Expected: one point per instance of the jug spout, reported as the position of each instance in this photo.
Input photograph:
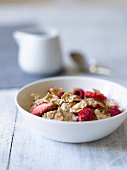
(17, 36)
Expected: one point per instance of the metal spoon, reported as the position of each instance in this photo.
(91, 67)
(88, 67)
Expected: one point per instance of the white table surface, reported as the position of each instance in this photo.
(98, 32)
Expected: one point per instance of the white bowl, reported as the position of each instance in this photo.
(73, 132)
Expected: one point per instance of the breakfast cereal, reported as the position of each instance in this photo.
(76, 105)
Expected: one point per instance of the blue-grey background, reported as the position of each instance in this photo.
(97, 30)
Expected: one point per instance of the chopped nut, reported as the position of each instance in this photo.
(97, 91)
(66, 106)
(52, 98)
(92, 102)
(59, 115)
(78, 107)
(55, 91)
(49, 114)
(101, 115)
(69, 97)
(110, 103)
(35, 96)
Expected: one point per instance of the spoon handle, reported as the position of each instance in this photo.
(113, 74)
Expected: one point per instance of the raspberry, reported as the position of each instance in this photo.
(114, 111)
(85, 115)
(98, 106)
(96, 96)
(80, 93)
(40, 109)
(60, 94)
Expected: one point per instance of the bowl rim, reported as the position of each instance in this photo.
(66, 122)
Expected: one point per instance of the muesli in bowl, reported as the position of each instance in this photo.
(76, 105)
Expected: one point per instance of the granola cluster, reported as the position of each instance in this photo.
(77, 105)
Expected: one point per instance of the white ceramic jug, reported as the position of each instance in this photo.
(39, 50)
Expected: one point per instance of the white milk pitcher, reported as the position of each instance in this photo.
(39, 50)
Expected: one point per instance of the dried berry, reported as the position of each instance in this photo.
(80, 93)
(40, 109)
(85, 115)
(114, 111)
(98, 106)
(96, 96)
(60, 94)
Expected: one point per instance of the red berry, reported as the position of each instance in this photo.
(114, 111)
(80, 93)
(85, 115)
(96, 96)
(89, 94)
(38, 110)
(60, 94)
(98, 106)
